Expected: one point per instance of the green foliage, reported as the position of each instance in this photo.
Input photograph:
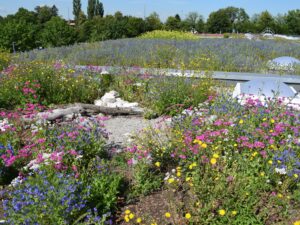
(265, 20)
(293, 21)
(104, 185)
(21, 33)
(145, 180)
(173, 23)
(99, 10)
(5, 58)
(171, 35)
(91, 9)
(58, 85)
(226, 35)
(221, 168)
(45, 13)
(45, 192)
(57, 33)
(163, 95)
(76, 9)
(227, 20)
(153, 22)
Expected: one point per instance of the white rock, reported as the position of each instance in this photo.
(99, 102)
(104, 72)
(107, 98)
(130, 104)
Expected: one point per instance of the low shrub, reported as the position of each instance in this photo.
(5, 58)
(230, 164)
(163, 95)
(170, 35)
(46, 84)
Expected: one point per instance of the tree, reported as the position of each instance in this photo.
(194, 21)
(25, 15)
(91, 9)
(99, 10)
(265, 20)
(54, 10)
(153, 22)
(281, 26)
(57, 32)
(45, 13)
(21, 33)
(293, 21)
(76, 9)
(229, 19)
(218, 22)
(134, 26)
(173, 23)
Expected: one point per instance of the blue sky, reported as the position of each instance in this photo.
(164, 8)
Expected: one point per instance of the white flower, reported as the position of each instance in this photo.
(280, 170)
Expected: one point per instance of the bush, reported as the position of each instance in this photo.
(5, 58)
(163, 95)
(228, 164)
(105, 185)
(171, 35)
(46, 84)
(226, 35)
(31, 201)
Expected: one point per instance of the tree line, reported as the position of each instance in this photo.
(43, 27)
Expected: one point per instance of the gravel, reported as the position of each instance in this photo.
(122, 128)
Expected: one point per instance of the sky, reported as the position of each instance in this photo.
(164, 8)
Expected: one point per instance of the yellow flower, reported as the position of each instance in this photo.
(171, 180)
(167, 215)
(213, 161)
(188, 216)
(296, 175)
(196, 141)
(296, 222)
(187, 179)
(234, 213)
(254, 154)
(139, 220)
(154, 223)
(270, 162)
(157, 164)
(126, 218)
(194, 164)
(272, 121)
(222, 212)
(178, 174)
(241, 121)
(262, 174)
(279, 195)
(264, 119)
(216, 156)
(204, 145)
(131, 216)
(235, 145)
(191, 167)
(127, 211)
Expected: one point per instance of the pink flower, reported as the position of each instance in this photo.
(73, 152)
(40, 158)
(41, 140)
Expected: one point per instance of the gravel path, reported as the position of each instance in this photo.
(122, 127)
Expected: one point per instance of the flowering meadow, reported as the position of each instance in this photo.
(216, 54)
(223, 163)
(208, 160)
